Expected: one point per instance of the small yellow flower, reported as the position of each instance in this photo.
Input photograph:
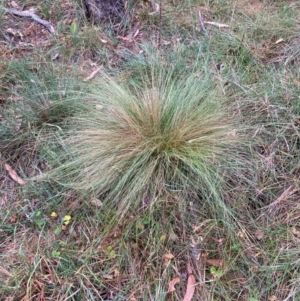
(67, 219)
(53, 214)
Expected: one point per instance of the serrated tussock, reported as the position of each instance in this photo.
(168, 135)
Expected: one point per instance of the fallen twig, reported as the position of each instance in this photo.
(160, 23)
(220, 25)
(202, 26)
(30, 14)
(154, 5)
(91, 75)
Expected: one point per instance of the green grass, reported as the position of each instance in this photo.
(123, 139)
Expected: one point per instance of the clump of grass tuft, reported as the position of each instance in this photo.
(167, 135)
(40, 99)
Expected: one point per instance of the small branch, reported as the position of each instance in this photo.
(91, 75)
(202, 26)
(30, 14)
(153, 4)
(220, 25)
(160, 23)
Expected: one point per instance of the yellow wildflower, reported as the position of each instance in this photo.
(67, 219)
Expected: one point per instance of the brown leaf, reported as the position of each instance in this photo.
(259, 234)
(14, 175)
(190, 286)
(165, 43)
(279, 41)
(13, 218)
(169, 256)
(241, 234)
(116, 273)
(232, 133)
(172, 284)
(136, 33)
(218, 263)
(14, 5)
(14, 32)
(295, 232)
(97, 202)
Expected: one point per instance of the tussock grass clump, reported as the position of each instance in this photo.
(166, 135)
(40, 100)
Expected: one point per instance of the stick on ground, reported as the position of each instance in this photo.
(202, 26)
(30, 14)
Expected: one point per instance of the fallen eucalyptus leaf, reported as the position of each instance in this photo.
(13, 174)
(190, 289)
(172, 283)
